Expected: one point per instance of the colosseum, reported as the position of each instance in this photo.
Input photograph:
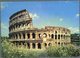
(22, 33)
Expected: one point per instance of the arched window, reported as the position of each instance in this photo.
(39, 45)
(55, 32)
(45, 35)
(45, 44)
(61, 36)
(52, 36)
(49, 44)
(16, 36)
(58, 36)
(33, 35)
(33, 45)
(55, 36)
(23, 35)
(28, 35)
(58, 43)
(39, 35)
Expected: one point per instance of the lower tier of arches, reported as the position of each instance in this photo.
(38, 45)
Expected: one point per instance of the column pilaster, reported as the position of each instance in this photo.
(21, 36)
(30, 45)
(15, 36)
(36, 35)
(36, 45)
(42, 45)
(18, 36)
(26, 36)
(31, 36)
(47, 35)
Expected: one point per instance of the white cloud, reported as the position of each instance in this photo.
(33, 16)
(74, 29)
(77, 15)
(61, 19)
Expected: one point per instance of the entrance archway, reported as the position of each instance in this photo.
(39, 45)
(33, 45)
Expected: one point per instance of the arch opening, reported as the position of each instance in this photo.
(33, 35)
(58, 36)
(16, 36)
(28, 45)
(55, 36)
(49, 44)
(28, 35)
(45, 35)
(45, 44)
(52, 36)
(33, 45)
(23, 35)
(39, 45)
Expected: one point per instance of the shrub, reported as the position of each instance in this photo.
(77, 52)
(63, 51)
(11, 51)
(53, 51)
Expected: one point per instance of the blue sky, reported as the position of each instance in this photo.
(50, 13)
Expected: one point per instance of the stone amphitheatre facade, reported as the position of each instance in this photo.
(23, 33)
